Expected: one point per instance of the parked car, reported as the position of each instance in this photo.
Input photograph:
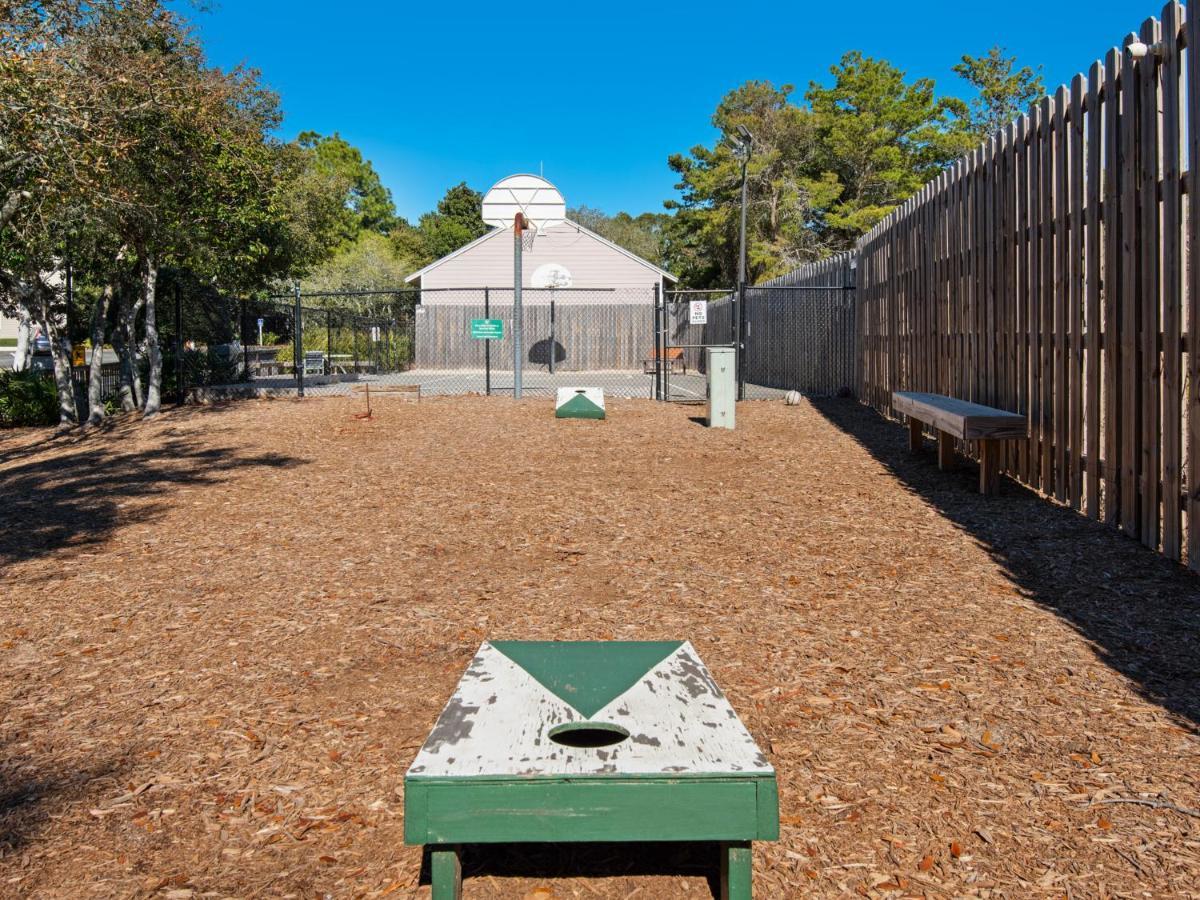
(40, 359)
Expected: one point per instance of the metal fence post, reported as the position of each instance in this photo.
(740, 331)
(487, 345)
(298, 345)
(552, 333)
(242, 338)
(180, 388)
(658, 330)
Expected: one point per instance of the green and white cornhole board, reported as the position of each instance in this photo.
(653, 752)
(579, 403)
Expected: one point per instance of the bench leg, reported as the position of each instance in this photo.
(945, 451)
(445, 864)
(914, 434)
(989, 468)
(737, 871)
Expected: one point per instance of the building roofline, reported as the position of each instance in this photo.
(495, 231)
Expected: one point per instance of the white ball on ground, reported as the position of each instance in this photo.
(792, 398)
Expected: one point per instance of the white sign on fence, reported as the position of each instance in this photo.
(698, 312)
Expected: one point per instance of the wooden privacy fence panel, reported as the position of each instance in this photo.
(586, 336)
(1053, 272)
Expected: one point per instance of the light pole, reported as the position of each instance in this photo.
(747, 146)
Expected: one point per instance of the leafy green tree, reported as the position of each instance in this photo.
(644, 234)
(370, 263)
(786, 191)
(368, 204)
(1004, 91)
(455, 223)
(881, 138)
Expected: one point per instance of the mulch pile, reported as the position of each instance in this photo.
(225, 633)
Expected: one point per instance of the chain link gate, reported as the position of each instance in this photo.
(686, 323)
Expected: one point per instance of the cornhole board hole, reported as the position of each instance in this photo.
(579, 403)
(557, 741)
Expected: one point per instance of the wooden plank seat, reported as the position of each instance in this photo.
(411, 390)
(673, 358)
(953, 418)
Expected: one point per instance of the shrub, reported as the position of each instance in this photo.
(27, 399)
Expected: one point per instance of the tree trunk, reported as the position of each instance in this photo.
(96, 363)
(60, 352)
(123, 342)
(24, 339)
(149, 292)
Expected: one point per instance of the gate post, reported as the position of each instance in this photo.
(740, 330)
(298, 344)
(487, 346)
(658, 329)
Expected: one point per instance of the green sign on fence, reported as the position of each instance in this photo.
(487, 329)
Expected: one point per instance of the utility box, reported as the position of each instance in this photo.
(722, 386)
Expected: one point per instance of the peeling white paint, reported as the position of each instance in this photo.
(679, 722)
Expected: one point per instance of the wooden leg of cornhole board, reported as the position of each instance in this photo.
(914, 434)
(737, 871)
(445, 866)
(945, 451)
(989, 468)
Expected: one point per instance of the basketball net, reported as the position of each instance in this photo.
(526, 231)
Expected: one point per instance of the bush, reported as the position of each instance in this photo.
(27, 399)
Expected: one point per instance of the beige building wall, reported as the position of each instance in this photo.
(592, 262)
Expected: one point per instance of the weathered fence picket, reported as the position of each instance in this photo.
(1055, 271)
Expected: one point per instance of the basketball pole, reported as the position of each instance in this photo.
(519, 224)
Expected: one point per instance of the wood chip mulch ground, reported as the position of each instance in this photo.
(225, 633)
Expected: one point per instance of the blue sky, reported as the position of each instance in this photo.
(600, 93)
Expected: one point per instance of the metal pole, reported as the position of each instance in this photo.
(551, 332)
(298, 344)
(740, 359)
(742, 242)
(328, 341)
(487, 346)
(658, 313)
(242, 336)
(518, 332)
(179, 385)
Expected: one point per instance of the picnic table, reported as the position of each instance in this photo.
(673, 358)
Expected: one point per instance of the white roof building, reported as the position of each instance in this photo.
(566, 254)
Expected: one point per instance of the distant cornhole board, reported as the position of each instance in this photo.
(579, 403)
(549, 741)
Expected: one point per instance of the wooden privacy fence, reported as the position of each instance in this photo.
(586, 336)
(1055, 271)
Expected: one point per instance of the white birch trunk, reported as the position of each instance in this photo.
(96, 363)
(149, 297)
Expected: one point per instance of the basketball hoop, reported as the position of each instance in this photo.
(525, 230)
(529, 203)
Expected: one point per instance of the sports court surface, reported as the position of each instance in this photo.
(225, 633)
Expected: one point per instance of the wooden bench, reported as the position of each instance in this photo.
(412, 391)
(673, 357)
(966, 421)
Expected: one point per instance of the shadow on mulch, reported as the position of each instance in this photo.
(27, 799)
(589, 860)
(72, 491)
(1140, 611)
